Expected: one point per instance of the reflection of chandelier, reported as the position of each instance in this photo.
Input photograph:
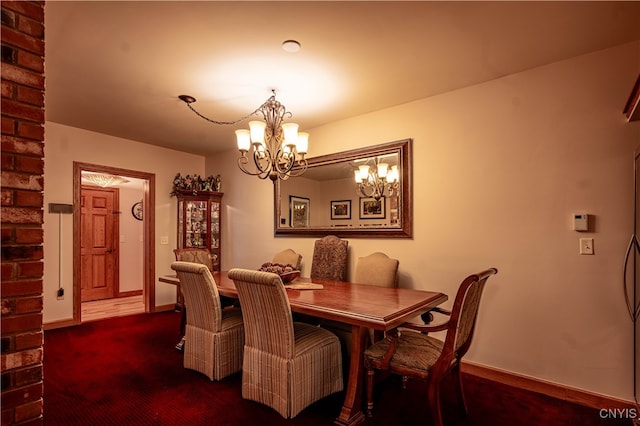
(103, 180)
(275, 147)
(379, 181)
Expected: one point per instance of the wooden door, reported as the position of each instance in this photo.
(99, 245)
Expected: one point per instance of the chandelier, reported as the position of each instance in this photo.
(377, 181)
(276, 149)
(103, 180)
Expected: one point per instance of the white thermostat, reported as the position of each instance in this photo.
(580, 222)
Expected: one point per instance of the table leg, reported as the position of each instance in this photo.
(351, 412)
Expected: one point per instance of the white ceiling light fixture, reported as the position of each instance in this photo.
(277, 148)
(291, 46)
(103, 180)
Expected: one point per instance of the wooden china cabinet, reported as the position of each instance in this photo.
(199, 222)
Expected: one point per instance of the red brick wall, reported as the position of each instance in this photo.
(22, 210)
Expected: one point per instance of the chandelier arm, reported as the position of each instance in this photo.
(243, 161)
(302, 167)
(287, 163)
(257, 161)
(362, 191)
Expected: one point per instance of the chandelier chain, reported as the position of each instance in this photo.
(210, 120)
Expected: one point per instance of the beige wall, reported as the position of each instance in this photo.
(498, 170)
(131, 240)
(63, 146)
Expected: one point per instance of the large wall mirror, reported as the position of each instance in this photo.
(327, 199)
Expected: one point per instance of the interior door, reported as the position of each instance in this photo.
(99, 255)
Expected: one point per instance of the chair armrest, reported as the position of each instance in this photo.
(427, 317)
(425, 328)
(442, 311)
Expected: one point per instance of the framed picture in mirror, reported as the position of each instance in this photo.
(298, 212)
(341, 209)
(370, 208)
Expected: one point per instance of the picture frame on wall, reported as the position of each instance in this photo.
(370, 208)
(340, 209)
(298, 212)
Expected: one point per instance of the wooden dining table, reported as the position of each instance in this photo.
(360, 305)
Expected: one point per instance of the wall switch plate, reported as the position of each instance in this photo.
(164, 240)
(586, 245)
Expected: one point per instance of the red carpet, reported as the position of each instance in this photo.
(125, 371)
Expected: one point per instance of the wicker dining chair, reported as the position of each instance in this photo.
(287, 365)
(214, 337)
(288, 257)
(414, 354)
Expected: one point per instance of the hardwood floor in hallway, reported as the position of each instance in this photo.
(108, 308)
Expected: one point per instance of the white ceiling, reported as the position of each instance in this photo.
(118, 67)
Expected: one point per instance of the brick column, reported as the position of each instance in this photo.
(22, 210)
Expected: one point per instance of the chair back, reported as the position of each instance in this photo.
(463, 316)
(377, 269)
(288, 257)
(201, 295)
(266, 312)
(195, 255)
(330, 257)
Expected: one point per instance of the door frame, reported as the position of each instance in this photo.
(149, 255)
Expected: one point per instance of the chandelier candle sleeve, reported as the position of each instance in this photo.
(290, 131)
(382, 170)
(243, 137)
(256, 128)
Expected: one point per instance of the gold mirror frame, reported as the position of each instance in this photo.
(403, 148)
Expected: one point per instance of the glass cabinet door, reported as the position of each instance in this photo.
(215, 234)
(196, 224)
(199, 223)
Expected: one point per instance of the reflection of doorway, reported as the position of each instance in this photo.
(148, 237)
(99, 248)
